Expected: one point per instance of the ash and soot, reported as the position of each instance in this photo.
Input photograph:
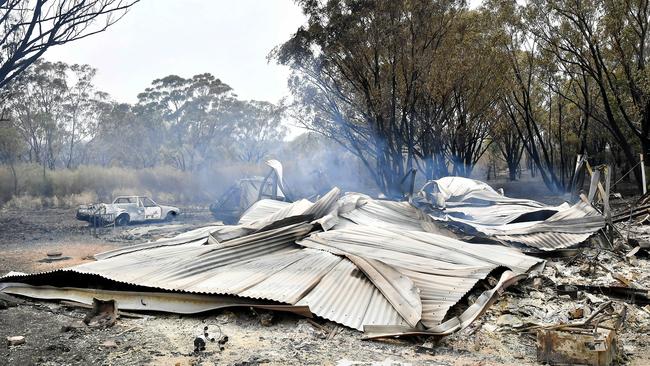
(324, 182)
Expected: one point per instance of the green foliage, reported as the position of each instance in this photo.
(258, 130)
(10, 146)
(196, 113)
(577, 81)
(432, 84)
(399, 84)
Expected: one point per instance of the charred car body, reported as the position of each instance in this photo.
(126, 209)
(241, 195)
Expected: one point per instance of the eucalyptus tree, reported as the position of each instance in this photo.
(602, 46)
(360, 70)
(193, 112)
(259, 130)
(36, 110)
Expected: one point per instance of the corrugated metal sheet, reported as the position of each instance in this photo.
(362, 210)
(444, 269)
(315, 210)
(181, 303)
(453, 324)
(261, 209)
(455, 191)
(475, 207)
(269, 211)
(263, 266)
(325, 204)
(345, 295)
(385, 214)
(388, 272)
(546, 241)
(196, 236)
(310, 269)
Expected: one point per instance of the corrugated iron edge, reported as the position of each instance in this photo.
(148, 301)
(484, 301)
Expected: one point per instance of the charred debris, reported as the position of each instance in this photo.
(429, 265)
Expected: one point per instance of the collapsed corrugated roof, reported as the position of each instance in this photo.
(476, 208)
(384, 267)
(380, 266)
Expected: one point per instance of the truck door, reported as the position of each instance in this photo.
(140, 210)
(151, 210)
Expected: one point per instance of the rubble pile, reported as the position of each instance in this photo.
(431, 266)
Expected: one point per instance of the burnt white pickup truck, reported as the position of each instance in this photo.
(126, 209)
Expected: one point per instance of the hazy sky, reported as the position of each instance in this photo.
(228, 38)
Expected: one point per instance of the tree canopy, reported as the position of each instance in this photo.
(431, 85)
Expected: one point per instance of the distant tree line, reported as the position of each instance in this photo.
(434, 85)
(54, 116)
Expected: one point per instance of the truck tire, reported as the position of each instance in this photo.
(122, 220)
(171, 215)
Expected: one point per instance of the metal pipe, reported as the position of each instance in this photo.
(643, 174)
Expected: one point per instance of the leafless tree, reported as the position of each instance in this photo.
(29, 27)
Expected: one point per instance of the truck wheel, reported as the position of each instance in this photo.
(122, 220)
(170, 216)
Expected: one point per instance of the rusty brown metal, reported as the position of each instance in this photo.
(596, 347)
(103, 314)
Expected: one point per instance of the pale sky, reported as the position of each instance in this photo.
(228, 38)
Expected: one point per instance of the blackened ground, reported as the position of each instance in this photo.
(167, 339)
(26, 236)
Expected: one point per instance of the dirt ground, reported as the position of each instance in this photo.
(498, 337)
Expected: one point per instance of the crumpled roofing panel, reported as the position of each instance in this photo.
(460, 190)
(362, 210)
(383, 270)
(475, 204)
(261, 209)
(196, 237)
(263, 269)
(442, 268)
(346, 296)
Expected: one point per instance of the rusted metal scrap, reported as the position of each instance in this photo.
(102, 315)
(576, 346)
(588, 342)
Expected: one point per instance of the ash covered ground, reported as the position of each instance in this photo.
(503, 335)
